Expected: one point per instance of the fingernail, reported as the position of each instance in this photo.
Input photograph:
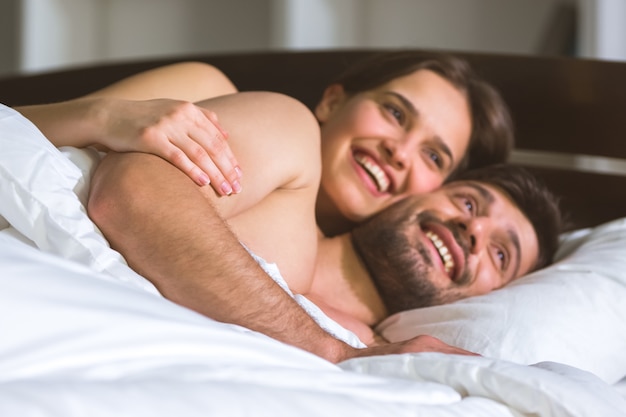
(226, 188)
(238, 171)
(236, 187)
(204, 179)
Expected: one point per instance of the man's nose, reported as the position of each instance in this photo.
(476, 230)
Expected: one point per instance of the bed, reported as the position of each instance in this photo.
(83, 334)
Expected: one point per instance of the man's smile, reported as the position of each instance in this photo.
(447, 245)
(444, 252)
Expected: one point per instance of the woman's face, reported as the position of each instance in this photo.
(378, 146)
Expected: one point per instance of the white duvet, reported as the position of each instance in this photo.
(81, 336)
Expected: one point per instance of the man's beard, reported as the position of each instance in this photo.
(400, 265)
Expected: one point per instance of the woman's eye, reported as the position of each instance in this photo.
(434, 156)
(395, 112)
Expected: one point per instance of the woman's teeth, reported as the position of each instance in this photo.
(374, 171)
(448, 262)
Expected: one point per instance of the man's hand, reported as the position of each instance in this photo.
(422, 343)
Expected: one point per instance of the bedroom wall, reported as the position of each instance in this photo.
(57, 33)
(8, 27)
(517, 26)
(47, 34)
(603, 29)
(165, 27)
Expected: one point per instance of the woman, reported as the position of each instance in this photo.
(393, 125)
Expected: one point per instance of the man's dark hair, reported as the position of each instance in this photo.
(492, 137)
(532, 197)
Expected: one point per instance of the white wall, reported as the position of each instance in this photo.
(603, 29)
(58, 33)
(316, 24)
(480, 25)
(165, 27)
(9, 27)
(512, 26)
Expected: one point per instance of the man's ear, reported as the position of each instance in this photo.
(333, 96)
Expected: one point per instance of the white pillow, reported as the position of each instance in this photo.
(39, 196)
(572, 312)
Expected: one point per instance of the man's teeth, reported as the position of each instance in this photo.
(448, 262)
(379, 176)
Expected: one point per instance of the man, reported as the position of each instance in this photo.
(175, 234)
(473, 235)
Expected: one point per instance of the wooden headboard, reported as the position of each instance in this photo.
(570, 114)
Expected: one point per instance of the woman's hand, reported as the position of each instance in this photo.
(184, 134)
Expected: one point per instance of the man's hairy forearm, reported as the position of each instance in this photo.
(170, 233)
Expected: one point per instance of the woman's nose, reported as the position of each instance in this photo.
(397, 153)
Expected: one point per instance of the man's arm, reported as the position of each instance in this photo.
(192, 256)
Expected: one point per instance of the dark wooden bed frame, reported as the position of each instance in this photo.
(570, 114)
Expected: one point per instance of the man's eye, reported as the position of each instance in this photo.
(502, 258)
(501, 255)
(469, 205)
(466, 204)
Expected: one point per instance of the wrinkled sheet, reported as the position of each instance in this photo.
(77, 342)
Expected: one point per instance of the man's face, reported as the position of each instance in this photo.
(467, 238)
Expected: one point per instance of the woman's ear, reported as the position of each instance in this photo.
(333, 96)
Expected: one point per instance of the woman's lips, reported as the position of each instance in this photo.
(374, 171)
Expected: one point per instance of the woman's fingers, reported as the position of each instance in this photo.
(215, 152)
(187, 136)
(212, 162)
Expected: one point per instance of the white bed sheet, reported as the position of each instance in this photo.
(78, 342)
(620, 386)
